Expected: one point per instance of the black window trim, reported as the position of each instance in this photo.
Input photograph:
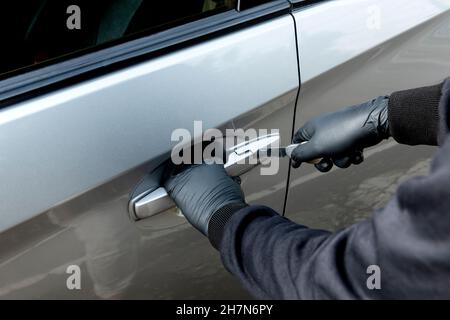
(303, 3)
(61, 74)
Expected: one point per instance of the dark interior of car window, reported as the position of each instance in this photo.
(246, 4)
(36, 31)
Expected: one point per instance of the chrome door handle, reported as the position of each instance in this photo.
(154, 199)
(244, 156)
(153, 203)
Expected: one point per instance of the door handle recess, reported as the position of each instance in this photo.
(150, 199)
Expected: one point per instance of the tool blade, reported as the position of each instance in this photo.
(273, 152)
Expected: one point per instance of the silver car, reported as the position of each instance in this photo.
(91, 91)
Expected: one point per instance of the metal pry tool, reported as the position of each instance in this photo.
(283, 152)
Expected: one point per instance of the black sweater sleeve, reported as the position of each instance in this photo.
(408, 241)
(413, 115)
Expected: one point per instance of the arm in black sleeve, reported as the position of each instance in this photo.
(414, 116)
(408, 240)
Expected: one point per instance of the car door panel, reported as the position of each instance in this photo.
(350, 52)
(71, 157)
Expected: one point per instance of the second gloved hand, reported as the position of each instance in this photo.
(201, 190)
(340, 137)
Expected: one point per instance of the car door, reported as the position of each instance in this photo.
(85, 117)
(351, 51)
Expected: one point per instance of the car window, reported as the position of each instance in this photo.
(246, 4)
(38, 31)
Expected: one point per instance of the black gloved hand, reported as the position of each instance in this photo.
(341, 136)
(201, 190)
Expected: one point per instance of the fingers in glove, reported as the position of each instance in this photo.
(357, 157)
(303, 134)
(324, 165)
(305, 152)
(345, 161)
(342, 162)
(295, 164)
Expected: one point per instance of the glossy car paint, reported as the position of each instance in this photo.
(334, 32)
(81, 137)
(345, 61)
(78, 152)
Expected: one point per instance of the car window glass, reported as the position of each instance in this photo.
(246, 4)
(37, 31)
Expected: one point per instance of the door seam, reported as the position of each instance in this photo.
(286, 194)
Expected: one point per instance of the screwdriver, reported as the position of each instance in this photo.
(283, 152)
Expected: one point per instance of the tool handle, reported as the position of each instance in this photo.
(290, 148)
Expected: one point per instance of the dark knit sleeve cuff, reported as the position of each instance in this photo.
(218, 221)
(414, 115)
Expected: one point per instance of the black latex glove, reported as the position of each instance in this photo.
(200, 190)
(340, 137)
